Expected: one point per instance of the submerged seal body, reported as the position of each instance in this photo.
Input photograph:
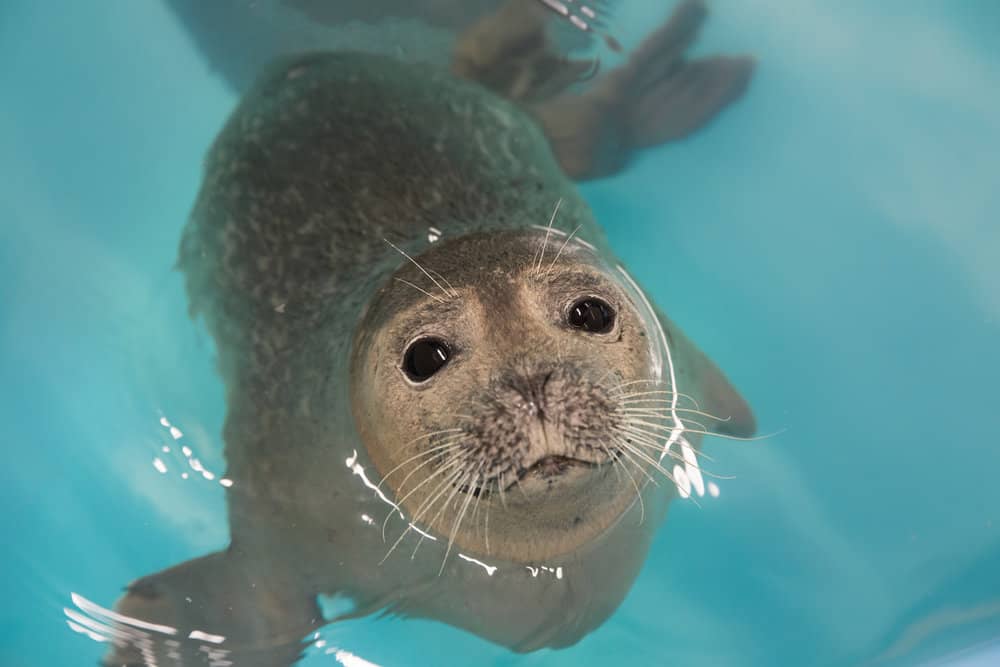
(446, 396)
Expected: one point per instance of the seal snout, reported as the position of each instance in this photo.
(543, 424)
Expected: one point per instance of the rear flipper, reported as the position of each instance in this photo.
(657, 96)
(209, 609)
(685, 99)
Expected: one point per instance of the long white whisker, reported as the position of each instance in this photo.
(658, 401)
(561, 248)
(421, 289)
(422, 269)
(633, 417)
(442, 454)
(421, 510)
(613, 459)
(648, 459)
(638, 493)
(486, 529)
(628, 455)
(475, 509)
(449, 465)
(461, 515)
(456, 487)
(656, 392)
(454, 292)
(500, 485)
(548, 232)
(437, 448)
(654, 443)
(429, 435)
(713, 434)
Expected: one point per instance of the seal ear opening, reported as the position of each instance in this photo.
(715, 393)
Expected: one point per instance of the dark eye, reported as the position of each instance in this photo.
(592, 315)
(424, 358)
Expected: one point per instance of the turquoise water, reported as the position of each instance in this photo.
(833, 242)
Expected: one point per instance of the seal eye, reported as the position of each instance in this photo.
(424, 358)
(591, 315)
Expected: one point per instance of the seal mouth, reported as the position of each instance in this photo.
(545, 469)
(553, 466)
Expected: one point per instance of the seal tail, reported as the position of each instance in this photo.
(208, 607)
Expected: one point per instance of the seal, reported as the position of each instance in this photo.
(446, 397)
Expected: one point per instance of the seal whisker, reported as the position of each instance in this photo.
(655, 392)
(656, 445)
(475, 511)
(428, 435)
(665, 401)
(638, 493)
(648, 459)
(448, 464)
(421, 289)
(649, 478)
(421, 510)
(548, 232)
(456, 488)
(461, 515)
(439, 449)
(422, 269)
(726, 436)
(502, 488)
(447, 282)
(611, 457)
(486, 530)
(561, 248)
(686, 423)
(441, 456)
(666, 415)
(399, 503)
(444, 484)
(653, 439)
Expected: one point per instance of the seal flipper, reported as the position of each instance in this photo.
(669, 97)
(658, 96)
(214, 604)
(686, 99)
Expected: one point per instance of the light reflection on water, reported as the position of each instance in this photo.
(157, 644)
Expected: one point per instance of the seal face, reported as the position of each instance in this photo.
(491, 393)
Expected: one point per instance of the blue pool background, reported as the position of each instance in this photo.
(833, 242)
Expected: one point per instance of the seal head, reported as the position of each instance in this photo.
(489, 379)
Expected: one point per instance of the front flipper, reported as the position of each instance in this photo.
(218, 606)
(699, 376)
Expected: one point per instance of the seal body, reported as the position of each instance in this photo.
(359, 216)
